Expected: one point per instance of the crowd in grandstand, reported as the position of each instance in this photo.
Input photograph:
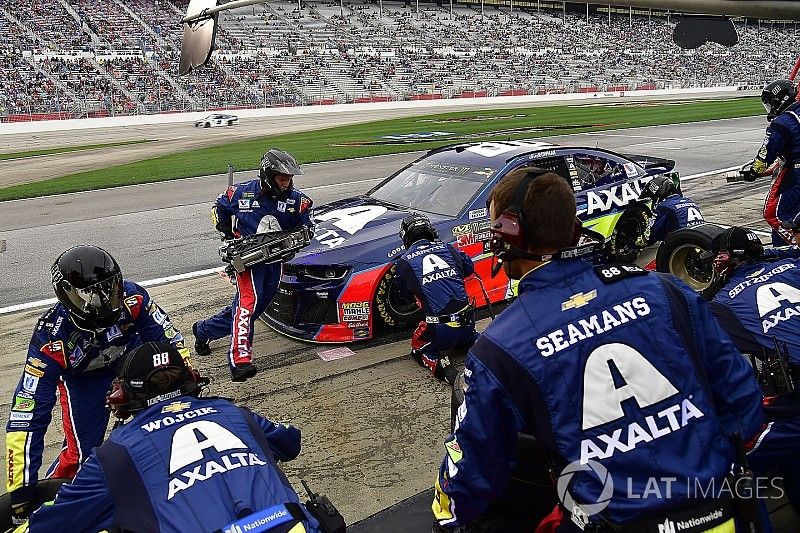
(109, 57)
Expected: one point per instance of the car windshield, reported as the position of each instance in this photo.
(434, 185)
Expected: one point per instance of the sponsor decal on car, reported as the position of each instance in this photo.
(355, 311)
(361, 333)
(478, 213)
(354, 325)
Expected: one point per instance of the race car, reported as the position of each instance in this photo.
(216, 119)
(340, 288)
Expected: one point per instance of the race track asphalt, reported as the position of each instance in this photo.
(373, 422)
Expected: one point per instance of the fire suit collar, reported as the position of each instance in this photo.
(551, 272)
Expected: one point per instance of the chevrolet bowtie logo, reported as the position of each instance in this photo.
(176, 407)
(579, 300)
(756, 273)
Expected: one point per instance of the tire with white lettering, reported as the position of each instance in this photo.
(679, 255)
(629, 228)
(393, 306)
(46, 490)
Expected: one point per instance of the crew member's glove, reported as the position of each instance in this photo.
(723, 264)
(22, 505)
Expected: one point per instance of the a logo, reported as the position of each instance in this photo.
(29, 383)
(579, 300)
(435, 268)
(160, 359)
(23, 404)
(176, 407)
(756, 273)
(667, 527)
(581, 510)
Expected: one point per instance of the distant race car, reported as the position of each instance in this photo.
(216, 119)
(340, 288)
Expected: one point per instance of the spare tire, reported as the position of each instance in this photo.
(46, 490)
(680, 253)
(394, 307)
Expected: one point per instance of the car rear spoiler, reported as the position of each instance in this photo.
(653, 165)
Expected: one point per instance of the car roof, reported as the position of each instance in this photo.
(493, 154)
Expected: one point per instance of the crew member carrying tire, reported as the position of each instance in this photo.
(756, 304)
(434, 273)
(267, 204)
(75, 350)
(588, 360)
(671, 210)
(782, 140)
(183, 463)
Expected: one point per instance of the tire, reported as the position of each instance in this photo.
(230, 123)
(394, 308)
(207, 125)
(680, 253)
(46, 490)
(630, 226)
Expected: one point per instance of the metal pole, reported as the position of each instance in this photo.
(341, 8)
(630, 17)
(512, 6)
(587, 12)
(380, 9)
(481, 7)
(609, 14)
(451, 9)
(417, 8)
(230, 175)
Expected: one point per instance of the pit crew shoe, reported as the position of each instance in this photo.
(445, 371)
(243, 372)
(201, 346)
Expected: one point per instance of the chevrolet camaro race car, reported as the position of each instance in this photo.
(340, 288)
(217, 119)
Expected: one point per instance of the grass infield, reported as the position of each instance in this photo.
(67, 149)
(386, 137)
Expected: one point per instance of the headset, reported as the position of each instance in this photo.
(510, 228)
(118, 399)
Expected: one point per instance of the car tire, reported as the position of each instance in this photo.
(630, 226)
(679, 255)
(394, 308)
(207, 125)
(46, 490)
(230, 123)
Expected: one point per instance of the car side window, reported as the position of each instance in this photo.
(592, 170)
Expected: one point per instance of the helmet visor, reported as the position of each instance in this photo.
(99, 303)
(767, 107)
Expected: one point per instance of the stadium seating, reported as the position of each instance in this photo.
(108, 57)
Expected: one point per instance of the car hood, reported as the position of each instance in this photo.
(356, 230)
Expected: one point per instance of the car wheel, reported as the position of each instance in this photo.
(629, 228)
(230, 123)
(207, 125)
(680, 253)
(393, 306)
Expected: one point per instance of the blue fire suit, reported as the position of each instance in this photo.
(240, 211)
(434, 273)
(80, 365)
(195, 464)
(759, 305)
(607, 367)
(783, 199)
(673, 213)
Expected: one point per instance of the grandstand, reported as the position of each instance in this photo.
(78, 58)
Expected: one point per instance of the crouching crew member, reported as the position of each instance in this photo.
(671, 210)
(434, 273)
(183, 463)
(758, 307)
(622, 377)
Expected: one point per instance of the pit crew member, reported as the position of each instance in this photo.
(75, 349)
(613, 370)
(757, 306)
(183, 463)
(269, 203)
(782, 140)
(434, 273)
(671, 210)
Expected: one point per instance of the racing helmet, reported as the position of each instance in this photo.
(659, 189)
(137, 385)
(738, 242)
(777, 96)
(88, 283)
(416, 227)
(277, 162)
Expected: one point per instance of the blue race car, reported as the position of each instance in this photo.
(340, 288)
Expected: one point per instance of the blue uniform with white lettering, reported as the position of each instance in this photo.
(673, 213)
(196, 464)
(761, 304)
(80, 365)
(250, 212)
(606, 364)
(783, 200)
(434, 273)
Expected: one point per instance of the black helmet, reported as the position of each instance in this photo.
(659, 188)
(277, 162)
(134, 390)
(738, 242)
(88, 283)
(415, 227)
(777, 96)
